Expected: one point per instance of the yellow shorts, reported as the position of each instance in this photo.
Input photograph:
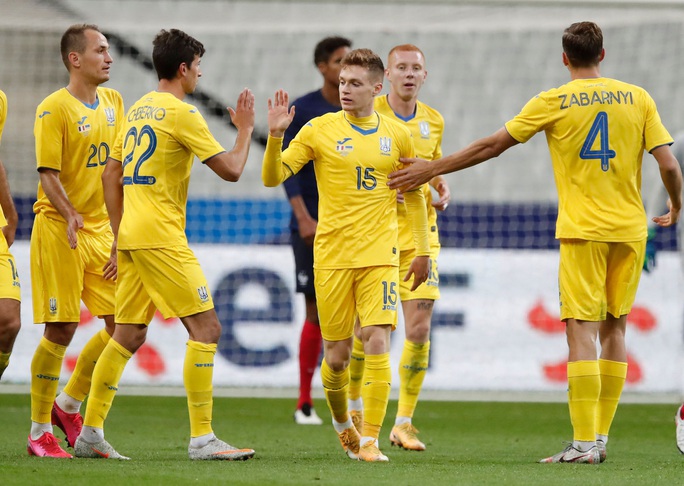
(62, 277)
(429, 289)
(596, 278)
(370, 292)
(10, 286)
(168, 279)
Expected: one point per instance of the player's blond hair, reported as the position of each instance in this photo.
(366, 59)
(404, 48)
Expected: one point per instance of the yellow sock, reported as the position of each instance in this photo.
(4, 362)
(106, 375)
(613, 376)
(584, 388)
(78, 385)
(198, 373)
(412, 369)
(45, 368)
(376, 390)
(356, 367)
(336, 388)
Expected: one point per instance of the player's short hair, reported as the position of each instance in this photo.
(404, 48)
(173, 48)
(325, 48)
(74, 40)
(366, 59)
(583, 44)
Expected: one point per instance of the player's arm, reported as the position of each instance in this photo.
(280, 115)
(418, 219)
(671, 175)
(229, 165)
(421, 171)
(307, 224)
(8, 208)
(54, 190)
(112, 186)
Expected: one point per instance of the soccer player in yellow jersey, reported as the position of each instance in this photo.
(355, 249)
(10, 287)
(406, 74)
(597, 130)
(148, 173)
(75, 128)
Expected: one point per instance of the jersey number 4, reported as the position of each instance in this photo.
(598, 130)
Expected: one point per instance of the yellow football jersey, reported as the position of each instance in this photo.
(357, 212)
(75, 139)
(597, 130)
(157, 147)
(427, 127)
(3, 118)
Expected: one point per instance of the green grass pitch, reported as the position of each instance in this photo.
(468, 443)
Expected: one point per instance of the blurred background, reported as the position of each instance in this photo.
(496, 327)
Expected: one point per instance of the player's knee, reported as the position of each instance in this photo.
(418, 332)
(60, 332)
(9, 328)
(337, 363)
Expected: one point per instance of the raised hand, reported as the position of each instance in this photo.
(280, 115)
(243, 114)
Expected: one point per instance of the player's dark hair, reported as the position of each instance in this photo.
(366, 59)
(173, 48)
(74, 40)
(326, 47)
(583, 44)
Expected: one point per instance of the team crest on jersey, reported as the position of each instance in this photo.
(203, 293)
(385, 145)
(111, 117)
(53, 305)
(424, 129)
(343, 147)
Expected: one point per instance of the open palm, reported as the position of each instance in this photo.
(280, 115)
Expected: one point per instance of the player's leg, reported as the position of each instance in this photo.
(204, 331)
(336, 312)
(10, 322)
(178, 287)
(310, 343)
(582, 264)
(413, 365)
(98, 297)
(10, 304)
(623, 281)
(357, 365)
(91, 442)
(310, 340)
(57, 281)
(134, 311)
(377, 296)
